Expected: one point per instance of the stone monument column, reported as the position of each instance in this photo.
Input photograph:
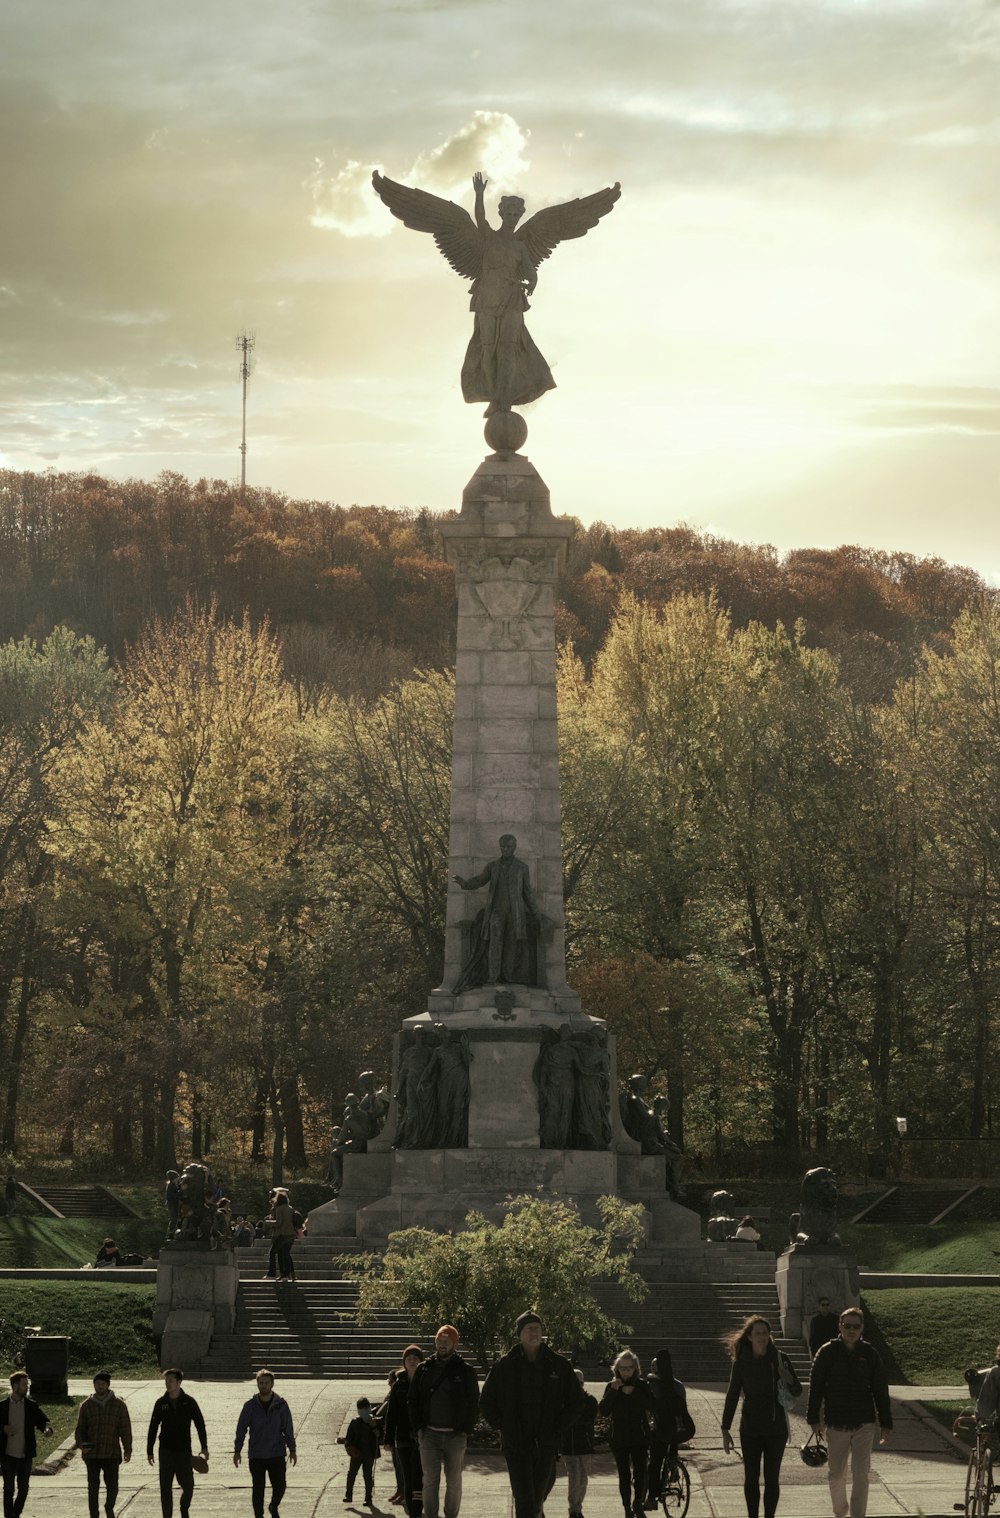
(507, 549)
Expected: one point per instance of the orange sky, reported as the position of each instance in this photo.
(788, 330)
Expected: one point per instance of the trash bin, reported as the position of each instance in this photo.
(46, 1359)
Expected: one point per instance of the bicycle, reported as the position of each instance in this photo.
(980, 1490)
(675, 1493)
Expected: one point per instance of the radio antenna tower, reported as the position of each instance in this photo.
(245, 344)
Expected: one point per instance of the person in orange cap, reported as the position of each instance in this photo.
(443, 1403)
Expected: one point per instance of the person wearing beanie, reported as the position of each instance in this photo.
(443, 1404)
(532, 1397)
(400, 1439)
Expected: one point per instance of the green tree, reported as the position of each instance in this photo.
(540, 1256)
(46, 694)
(172, 815)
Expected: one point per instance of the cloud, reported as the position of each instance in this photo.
(491, 141)
(345, 202)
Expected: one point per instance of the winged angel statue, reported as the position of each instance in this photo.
(502, 364)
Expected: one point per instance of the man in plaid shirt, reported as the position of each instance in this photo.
(104, 1438)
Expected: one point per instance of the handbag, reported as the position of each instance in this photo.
(789, 1385)
(200, 1464)
(352, 1451)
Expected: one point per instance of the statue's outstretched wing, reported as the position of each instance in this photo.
(451, 227)
(557, 223)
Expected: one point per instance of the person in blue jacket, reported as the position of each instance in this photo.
(267, 1418)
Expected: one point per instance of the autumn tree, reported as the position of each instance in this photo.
(172, 815)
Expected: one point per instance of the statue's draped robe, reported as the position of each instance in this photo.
(502, 364)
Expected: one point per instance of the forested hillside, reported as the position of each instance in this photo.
(225, 738)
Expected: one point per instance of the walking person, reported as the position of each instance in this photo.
(443, 1403)
(825, 1325)
(533, 1397)
(21, 1419)
(577, 1451)
(759, 1370)
(672, 1424)
(267, 1419)
(172, 1417)
(399, 1434)
(629, 1405)
(361, 1445)
(284, 1234)
(849, 1395)
(104, 1439)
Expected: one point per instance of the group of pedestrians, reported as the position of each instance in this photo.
(848, 1404)
(532, 1396)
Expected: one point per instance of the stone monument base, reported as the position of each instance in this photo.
(437, 1188)
(195, 1298)
(806, 1272)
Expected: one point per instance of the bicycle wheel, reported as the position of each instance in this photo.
(977, 1483)
(676, 1493)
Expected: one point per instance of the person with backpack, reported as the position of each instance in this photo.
(672, 1424)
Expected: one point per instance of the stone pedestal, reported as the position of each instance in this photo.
(804, 1274)
(195, 1298)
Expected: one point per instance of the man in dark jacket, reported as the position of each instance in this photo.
(20, 1419)
(825, 1326)
(848, 1391)
(173, 1415)
(443, 1404)
(267, 1418)
(533, 1397)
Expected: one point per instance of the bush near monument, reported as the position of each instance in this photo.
(541, 1256)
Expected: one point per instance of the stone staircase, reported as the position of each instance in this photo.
(307, 1328)
(695, 1297)
(79, 1201)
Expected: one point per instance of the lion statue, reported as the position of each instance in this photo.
(818, 1208)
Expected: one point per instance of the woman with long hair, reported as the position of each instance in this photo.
(758, 1371)
(631, 1410)
(398, 1435)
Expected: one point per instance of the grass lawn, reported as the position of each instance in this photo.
(110, 1327)
(936, 1332)
(39, 1243)
(949, 1248)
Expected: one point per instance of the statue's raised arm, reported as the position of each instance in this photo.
(502, 365)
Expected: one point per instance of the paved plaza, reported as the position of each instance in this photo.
(919, 1472)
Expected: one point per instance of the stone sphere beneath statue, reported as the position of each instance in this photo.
(505, 431)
